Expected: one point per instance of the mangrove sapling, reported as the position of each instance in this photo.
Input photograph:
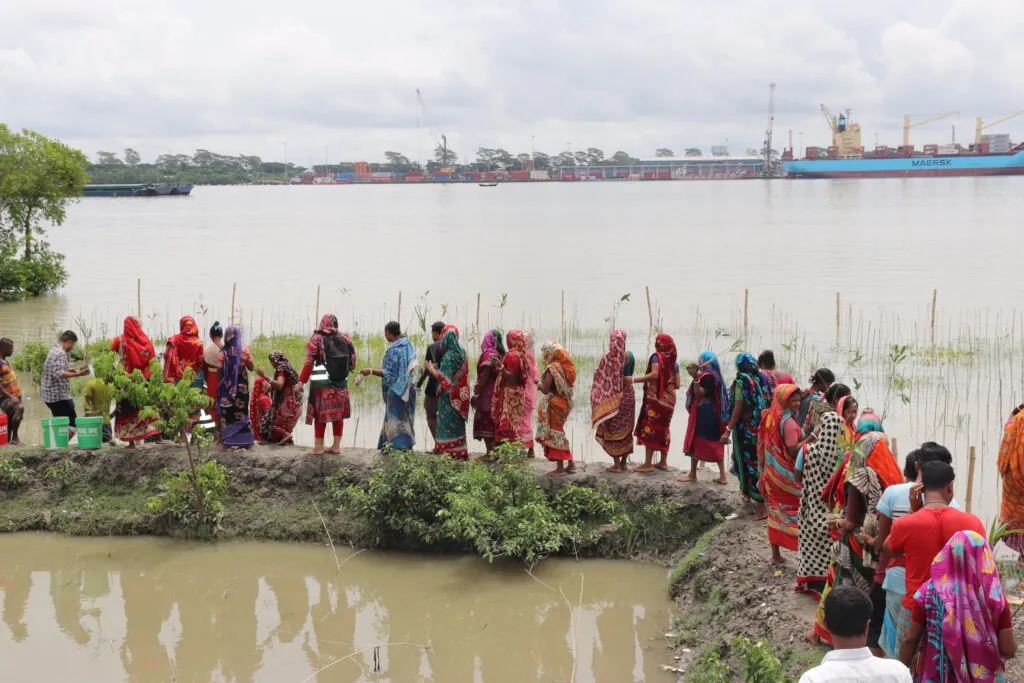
(60, 475)
(13, 473)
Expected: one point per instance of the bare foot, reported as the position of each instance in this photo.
(759, 516)
(333, 451)
(614, 468)
(556, 473)
(689, 479)
(570, 470)
(778, 561)
(643, 468)
(662, 466)
(812, 638)
(316, 451)
(723, 481)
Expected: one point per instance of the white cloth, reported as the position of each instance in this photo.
(857, 666)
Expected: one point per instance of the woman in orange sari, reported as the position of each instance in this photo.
(136, 352)
(556, 387)
(1011, 470)
(779, 443)
(184, 352)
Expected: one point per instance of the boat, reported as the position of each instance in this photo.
(138, 190)
(989, 155)
(487, 184)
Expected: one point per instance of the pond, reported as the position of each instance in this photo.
(145, 609)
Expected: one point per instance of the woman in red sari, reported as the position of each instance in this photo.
(136, 352)
(509, 402)
(184, 352)
(211, 370)
(659, 404)
(329, 403)
(278, 409)
(779, 443)
(613, 402)
(556, 387)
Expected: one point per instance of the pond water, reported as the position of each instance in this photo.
(556, 257)
(144, 609)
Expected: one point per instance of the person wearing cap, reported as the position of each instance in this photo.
(813, 403)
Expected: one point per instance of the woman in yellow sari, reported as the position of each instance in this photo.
(556, 387)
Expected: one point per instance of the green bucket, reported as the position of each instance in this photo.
(90, 432)
(55, 432)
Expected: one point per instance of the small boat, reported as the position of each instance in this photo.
(487, 184)
(138, 190)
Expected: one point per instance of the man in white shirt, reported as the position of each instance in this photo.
(847, 615)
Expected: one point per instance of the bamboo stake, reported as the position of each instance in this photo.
(478, 315)
(234, 286)
(398, 317)
(138, 297)
(563, 315)
(970, 481)
(355, 434)
(839, 316)
(650, 311)
(895, 449)
(935, 296)
(746, 319)
(317, 316)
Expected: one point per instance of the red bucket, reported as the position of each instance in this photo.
(3, 429)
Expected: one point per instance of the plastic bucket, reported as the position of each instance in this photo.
(90, 432)
(3, 429)
(55, 432)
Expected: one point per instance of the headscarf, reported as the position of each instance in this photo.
(315, 345)
(454, 369)
(136, 349)
(399, 366)
(869, 422)
(184, 350)
(775, 419)
(232, 364)
(530, 346)
(556, 360)
(606, 391)
(493, 341)
(754, 386)
(281, 365)
(1011, 450)
(963, 602)
(851, 426)
(666, 349)
(708, 362)
(260, 406)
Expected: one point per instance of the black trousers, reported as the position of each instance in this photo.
(877, 616)
(65, 408)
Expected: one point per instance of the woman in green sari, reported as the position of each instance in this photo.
(452, 395)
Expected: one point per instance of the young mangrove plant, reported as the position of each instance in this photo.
(13, 473)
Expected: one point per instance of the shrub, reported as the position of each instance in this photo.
(177, 498)
(60, 475)
(30, 357)
(13, 473)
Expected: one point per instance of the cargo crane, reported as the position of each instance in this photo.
(980, 124)
(439, 138)
(907, 125)
(768, 170)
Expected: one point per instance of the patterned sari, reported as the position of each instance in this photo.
(553, 409)
(613, 399)
(867, 469)
(814, 547)
(659, 402)
(963, 603)
(452, 396)
(1011, 469)
(483, 424)
(778, 482)
(233, 392)
(330, 403)
(398, 387)
(509, 401)
(280, 412)
(752, 385)
(136, 352)
(184, 352)
(530, 396)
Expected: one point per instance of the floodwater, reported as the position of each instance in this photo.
(556, 257)
(143, 609)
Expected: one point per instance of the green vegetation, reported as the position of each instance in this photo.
(13, 473)
(39, 178)
(693, 560)
(192, 497)
(741, 660)
(61, 475)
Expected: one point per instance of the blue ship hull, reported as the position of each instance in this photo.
(908, 167)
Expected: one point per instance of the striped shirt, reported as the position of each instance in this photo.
(56, 387)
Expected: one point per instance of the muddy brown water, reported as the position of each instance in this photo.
(143, 609)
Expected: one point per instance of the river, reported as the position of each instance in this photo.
(556, 257)
(145, 609)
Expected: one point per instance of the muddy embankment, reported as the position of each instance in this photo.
(719, 576)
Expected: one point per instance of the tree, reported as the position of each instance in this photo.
(443, 158)
(594, 156)
(564, 159)
(397, 161)
(107, 159)
(662, 152)
(132, 158)
(581, 158)
(39, 178)
(541, 161)
(621, 158)
(693, 152)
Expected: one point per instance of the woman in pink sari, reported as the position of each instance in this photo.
(530, 399)
(613, 402)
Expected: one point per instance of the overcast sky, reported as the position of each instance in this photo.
(245, 77)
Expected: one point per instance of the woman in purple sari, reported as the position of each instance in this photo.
(233, 392)
(492, 351)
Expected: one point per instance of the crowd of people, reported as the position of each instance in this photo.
(892, 560)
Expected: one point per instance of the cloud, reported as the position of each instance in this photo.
(181, 74)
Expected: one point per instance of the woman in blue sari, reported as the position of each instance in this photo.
(399, 388)
(752, 396)
(235, 362)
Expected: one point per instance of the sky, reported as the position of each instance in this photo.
(337, 80)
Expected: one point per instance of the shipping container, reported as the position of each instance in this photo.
(649, 175)
(664, 175)
(519, 175)
(568, 176)
(540, 175)
(441, 178)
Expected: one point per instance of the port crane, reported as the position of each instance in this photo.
(907, 125)
(768, 170)
(980, 124)
(440, 139)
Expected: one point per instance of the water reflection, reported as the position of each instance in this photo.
(146, 610)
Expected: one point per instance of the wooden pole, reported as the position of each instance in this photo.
(746, 317)
(650, 311)
(234, 288)
(935, 296)
(895, 449)
(563, 315)
(138, 297)
(480, 336)
(316, 317)
(970, 481)
(398, 318)
(839, 316)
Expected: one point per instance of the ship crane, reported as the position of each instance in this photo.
(907, 125)
(980, 124)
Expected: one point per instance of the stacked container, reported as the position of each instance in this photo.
(998, 143)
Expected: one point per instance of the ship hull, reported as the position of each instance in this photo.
(138, 190)
(912, 167)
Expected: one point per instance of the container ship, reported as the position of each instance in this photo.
(846, 158)
(138, 190)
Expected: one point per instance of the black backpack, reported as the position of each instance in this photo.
(337, 357)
